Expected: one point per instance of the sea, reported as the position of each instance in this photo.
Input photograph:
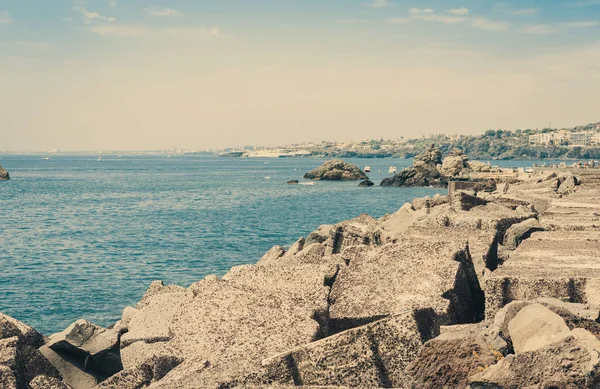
(83, 237)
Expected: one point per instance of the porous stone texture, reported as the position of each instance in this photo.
(45, 382)
(142, 375)
(20, 360)
(336, 170)
(535, 327)
(380, 282)
(97, 348)
(374, 355)
(557, 264)
(517, 233)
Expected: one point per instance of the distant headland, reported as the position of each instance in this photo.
(580, 142)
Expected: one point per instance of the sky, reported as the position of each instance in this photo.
(201, 74)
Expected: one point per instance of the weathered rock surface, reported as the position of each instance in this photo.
(20, 360)
(535, 327)
(96, 347)
(336, 170)
(380, 282)
(517, 233)
(142, 375)
(45, 382)
(374, 355)
(454, 163)
(4, 174)
(420, 174)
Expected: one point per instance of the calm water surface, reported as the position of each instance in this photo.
(81, 238)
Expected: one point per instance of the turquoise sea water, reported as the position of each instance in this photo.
(81, 238)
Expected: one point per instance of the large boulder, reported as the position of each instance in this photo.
(424, 171)
(98, 348)
(373, 355)
(412, 273)
(336, 170)
(142, 375)
(567, 184)
(4, 174)
(572, 362)
(454, 163)
(366, 184)
(20, 360)
(517, 233)
(535, 327)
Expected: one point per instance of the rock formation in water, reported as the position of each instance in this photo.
(366, 184)
(4, 174)
(430, 170)
(336, 170)
(470, 290)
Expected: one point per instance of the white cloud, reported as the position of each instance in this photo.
(415, 11)
(378, 3)
(140, 30)
(157, 11)
(5, 17)
(88, 16)
(446, 19)
(490, 25)
(539, 29)
(459, 11)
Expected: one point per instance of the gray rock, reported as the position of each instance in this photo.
(535, 327)
(567, 184)
(293, 182)
(374, 355)
(45, 382)
(72, 369)
(4, 174)
(142, 375)
(366, 184)
(569, 363)
(517, 233)
(336, 170)
(420, 174)
(7, 378)
(96, 347)
(465, 202)
(391, 279)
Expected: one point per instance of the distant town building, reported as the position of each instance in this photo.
(581, 138)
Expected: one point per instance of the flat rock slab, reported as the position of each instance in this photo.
(535, 327)
(374, 355)
(415, 273)
(225, 322)
(556, 264)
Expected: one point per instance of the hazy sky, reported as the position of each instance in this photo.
(195, 74)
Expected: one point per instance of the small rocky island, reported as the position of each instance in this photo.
(4, 174)
(337, 170)
(475, 289)
(430, 170)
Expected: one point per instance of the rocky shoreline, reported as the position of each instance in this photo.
(4, 174)
(496, 289)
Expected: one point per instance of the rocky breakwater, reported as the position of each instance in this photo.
(471, 290)
(4, 174)
(430, 170)
(336, 170)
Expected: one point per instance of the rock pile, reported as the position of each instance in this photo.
(494, 290)
(429, 170)
(336, 170)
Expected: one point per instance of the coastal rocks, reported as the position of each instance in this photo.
(431, 156)
(465, 202)
(20, 360)
(454, 163)
(336, 170)
(4, 174)
(293, 182)
(535, 327)
(420, 174)
(517, 233)
(97, 349)
(45, 382)
(366, 184)
(373, 355)
(142, 375)
(382, 281)
(567, 184)
(565, 364)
